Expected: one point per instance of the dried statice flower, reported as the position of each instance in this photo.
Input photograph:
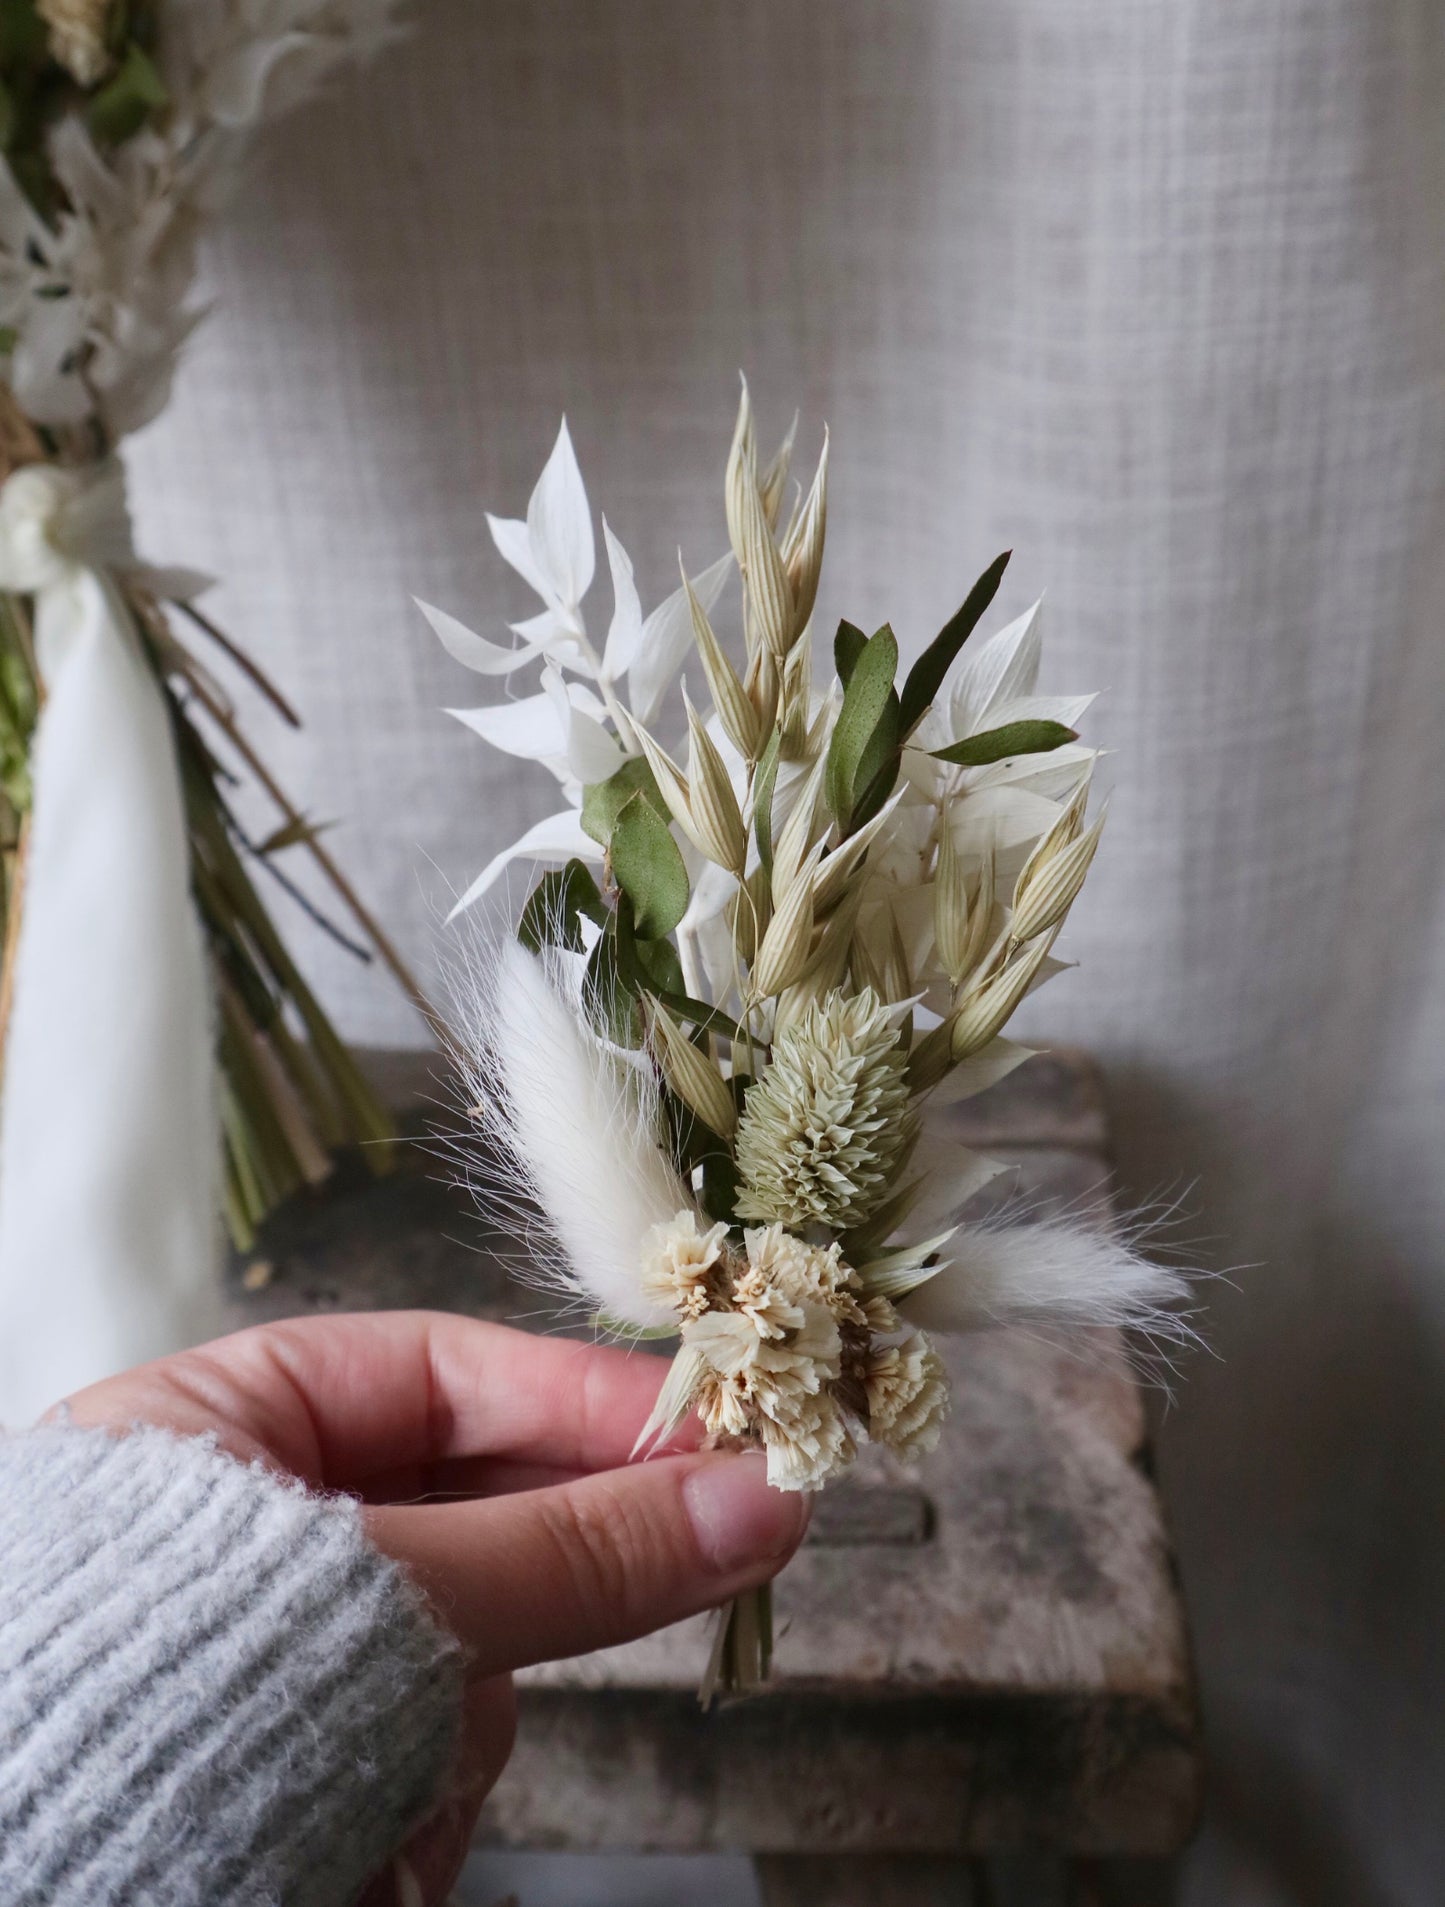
(808, 1447)
(677, 1261)
(801, 1271)
(777, 1389)
(907, 1389)
(827, 1126)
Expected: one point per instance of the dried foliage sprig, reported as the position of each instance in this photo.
(718, 1057)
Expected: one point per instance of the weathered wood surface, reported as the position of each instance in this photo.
(920, 1880)
(984, 1651)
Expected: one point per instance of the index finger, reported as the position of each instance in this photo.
(336, 1400)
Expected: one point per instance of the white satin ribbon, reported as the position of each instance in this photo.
(108, 1236)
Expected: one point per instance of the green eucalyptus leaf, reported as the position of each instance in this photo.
(649, 868)
(997, 744)
(878, 771)
(721, 1182)
(692, 1144)
(925, 678)
(765, 779)
(24, 37)
(646, 966)
(689, 1141)
(134, 91)
(865, 705)
(555, 907)
(848, 645)
(623, 927)
(123, 20)
(661, 968)
(605, 800)
(611, 1003)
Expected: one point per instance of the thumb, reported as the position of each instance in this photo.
(597, 1560)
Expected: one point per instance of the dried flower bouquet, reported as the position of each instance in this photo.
(717, 1057)
(124, 124)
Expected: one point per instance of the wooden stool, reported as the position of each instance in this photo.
(985, 1652)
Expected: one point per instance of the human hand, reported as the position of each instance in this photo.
(550, 1542)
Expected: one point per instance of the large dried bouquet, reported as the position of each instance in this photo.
(715, 1064)
(138, 940)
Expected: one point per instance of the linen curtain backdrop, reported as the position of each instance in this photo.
(1154, 294)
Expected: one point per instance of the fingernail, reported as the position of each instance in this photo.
(737, 1517)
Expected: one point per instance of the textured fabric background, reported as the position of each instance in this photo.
(1155, 294)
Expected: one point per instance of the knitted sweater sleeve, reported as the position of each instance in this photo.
(213, 1691)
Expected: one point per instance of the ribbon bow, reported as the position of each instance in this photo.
(107, 1111)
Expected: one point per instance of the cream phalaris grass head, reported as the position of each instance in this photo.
(824, 1130)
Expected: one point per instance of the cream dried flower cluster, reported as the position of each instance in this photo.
(720, 1054)
(781, 1345)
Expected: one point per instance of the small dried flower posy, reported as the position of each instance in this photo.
(719, 1054)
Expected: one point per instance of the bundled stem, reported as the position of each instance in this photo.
(742, 1650)
(291, 1090)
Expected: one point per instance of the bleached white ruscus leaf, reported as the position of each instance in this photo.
(559, 525)
(666, 638)
(553, 550)
(556, 838)
(951, 918)
(529, 727)
(998, 671)
(625, 630)
(950, 1175)
(473, 651)
(980, 1070)
(591, 753)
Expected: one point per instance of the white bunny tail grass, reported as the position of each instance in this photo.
(1051, 1273)
(568, 1124)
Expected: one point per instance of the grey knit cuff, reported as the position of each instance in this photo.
(213, 1691)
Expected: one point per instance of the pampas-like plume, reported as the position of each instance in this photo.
(1048, 1273)
(577, 1129)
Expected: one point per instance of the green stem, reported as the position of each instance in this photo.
(742, 1651)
